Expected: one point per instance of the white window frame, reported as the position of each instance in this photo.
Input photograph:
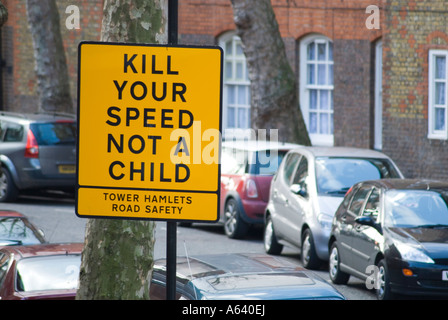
(242, 83)
(433, 133)
(378, 127)
(316, 138)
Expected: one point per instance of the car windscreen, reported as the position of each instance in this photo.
(48, 273)
(335, 176)
(54, 133)
(14, 231)
(415, 208)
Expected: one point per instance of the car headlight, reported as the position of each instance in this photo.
(325, 220)
(411, 253)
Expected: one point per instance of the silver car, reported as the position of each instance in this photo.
(306, 191)
(37, 152)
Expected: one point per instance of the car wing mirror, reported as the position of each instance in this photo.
(297, 189)
(368, 221)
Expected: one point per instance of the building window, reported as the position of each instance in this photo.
(316, 88)
(236, 91)
(437, 104)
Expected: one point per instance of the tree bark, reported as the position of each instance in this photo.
(274, 103)
(51, 66)
(118, 255)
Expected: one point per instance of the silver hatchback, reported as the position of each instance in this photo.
(306, 191)
(37, 152)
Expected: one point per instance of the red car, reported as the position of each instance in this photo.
(247, 168)
(16, 229)
(44, 271)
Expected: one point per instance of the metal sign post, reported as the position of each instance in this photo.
(171, 230)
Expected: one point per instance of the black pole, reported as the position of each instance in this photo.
(171, 230)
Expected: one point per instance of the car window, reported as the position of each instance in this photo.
(233, 161)
(372, 207)
(55, 133)
(337, 175)
(358, 200)
(14, 133)
(16, 231)
(290, 164)
(301, 174)
(48, 273)
(413, 208)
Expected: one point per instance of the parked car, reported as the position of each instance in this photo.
(393, 234)
(306, 191)
(247, 168)
(16, 229)
(37, 152)
(45, 271)
(240, 276)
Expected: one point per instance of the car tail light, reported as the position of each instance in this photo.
(251, 189)
(32, 148)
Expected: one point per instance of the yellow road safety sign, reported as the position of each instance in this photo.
(149, 131)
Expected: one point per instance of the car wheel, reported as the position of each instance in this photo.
(336, 275)
(383, 291)
(271, 245)
(308, 251)
(8, 189)
(234, 226)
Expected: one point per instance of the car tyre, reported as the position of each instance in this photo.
(383, 291)
(8, 189)
(336, 275)
(234, 226)
(271, 245)
(308, 254)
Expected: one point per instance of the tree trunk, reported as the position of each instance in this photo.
(274, 103)
(118, 255)
(51, 66)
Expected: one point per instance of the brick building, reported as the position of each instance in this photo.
(371, 73)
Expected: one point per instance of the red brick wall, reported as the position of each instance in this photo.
(19, 80)
(412, 28)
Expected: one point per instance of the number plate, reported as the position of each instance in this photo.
(67, 169)
(445, 275)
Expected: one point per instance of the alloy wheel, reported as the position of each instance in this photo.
(381, 281)
(3, 184)
(230, 219)
(334, 263)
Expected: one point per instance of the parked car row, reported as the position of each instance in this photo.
(31, 269)
(353, 209)
(348, 207)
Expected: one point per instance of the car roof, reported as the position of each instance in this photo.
(48, 249)
(11, 213)
(38, 116)
(258, 145)
(341, 152)
(410, 184)
(249, 275)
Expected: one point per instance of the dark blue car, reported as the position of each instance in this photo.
(241, 276)
(394, 234)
